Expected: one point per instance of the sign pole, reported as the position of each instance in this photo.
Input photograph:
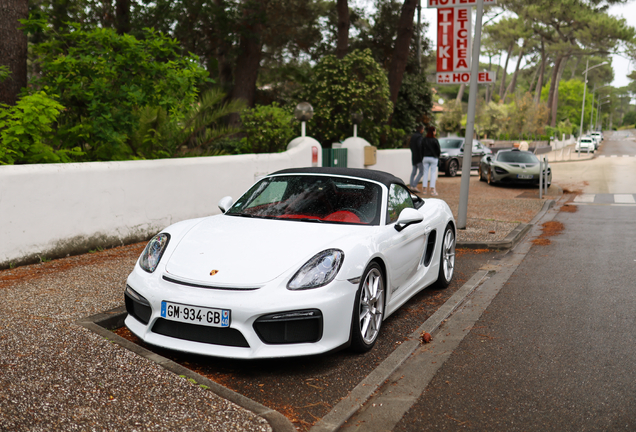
(470, 123)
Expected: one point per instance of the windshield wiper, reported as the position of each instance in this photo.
(241, 214)
(309, 220)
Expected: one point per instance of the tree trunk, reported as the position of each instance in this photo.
(488, 86)
(513, 82)
(533, 79)
(554, 82)
(576, 66)
(492, 86)
(222, 51)
(401, 48)
(555, 99)
(460, 93)
(502, 86)
(122, 11)
(343, 28)
(13, 49)
(537, 90)
(250, 51)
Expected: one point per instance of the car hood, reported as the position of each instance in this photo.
(451, 151)
(237, 252)
(520, 167)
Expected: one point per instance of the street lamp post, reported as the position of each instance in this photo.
(587, 62)
(592, 110)
(462, 208)
(598, 110)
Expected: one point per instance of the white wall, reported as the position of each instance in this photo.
(52, 210)
(394, 161)
(559, 144)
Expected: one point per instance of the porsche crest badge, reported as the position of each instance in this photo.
(213, 272)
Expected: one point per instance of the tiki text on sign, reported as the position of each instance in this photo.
(456, 3)
(485, 77)
(453, 39)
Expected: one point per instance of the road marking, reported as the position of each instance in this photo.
(624, 199)
(585, 198)
(620, 200)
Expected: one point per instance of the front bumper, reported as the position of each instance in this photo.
(512, 178)
(265, 323)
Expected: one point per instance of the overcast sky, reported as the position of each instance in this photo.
(622, 66)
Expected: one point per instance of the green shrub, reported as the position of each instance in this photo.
(26, 131)
(104, 80)
(268, 129)
(413, 104)
(4, 73)
(337, 88)
(629, 118)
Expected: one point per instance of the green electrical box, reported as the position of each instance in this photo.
(334, 157)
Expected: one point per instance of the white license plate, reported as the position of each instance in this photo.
(196, 315)
(524, 176)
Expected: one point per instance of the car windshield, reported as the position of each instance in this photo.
(517, 157)
(450, 143)
(312, 198)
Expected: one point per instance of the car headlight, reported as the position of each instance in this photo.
(500, 170)
(443, 155)
(321, 269)
(153, 252)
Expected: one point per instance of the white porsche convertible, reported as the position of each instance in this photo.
(307, 261)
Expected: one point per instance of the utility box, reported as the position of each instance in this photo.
(370, 155)
(334, 157)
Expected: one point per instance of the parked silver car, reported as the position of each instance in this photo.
(452, 156)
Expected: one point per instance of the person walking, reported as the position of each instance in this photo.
(430, 153)
(416, 156)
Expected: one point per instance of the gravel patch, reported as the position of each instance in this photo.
(485, 230)
(56, 375)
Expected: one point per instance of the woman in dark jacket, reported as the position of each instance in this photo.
(416, 156)
(430, 152)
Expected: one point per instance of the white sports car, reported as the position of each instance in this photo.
(307, 261)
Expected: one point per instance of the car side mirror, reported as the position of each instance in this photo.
(408, 216)
(225, 203)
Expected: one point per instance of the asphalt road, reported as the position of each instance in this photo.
(548, 343)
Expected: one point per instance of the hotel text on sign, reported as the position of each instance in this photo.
(485, 77)
(456, 3)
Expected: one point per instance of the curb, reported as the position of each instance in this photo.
(103, 322)
(514, 237)
(349, 405)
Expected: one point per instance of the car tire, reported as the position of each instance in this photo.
(490, 179)
(481, 174)
(368, 309)
(446, 258)
(452, 167)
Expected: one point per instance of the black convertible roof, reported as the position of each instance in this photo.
(367, 174)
